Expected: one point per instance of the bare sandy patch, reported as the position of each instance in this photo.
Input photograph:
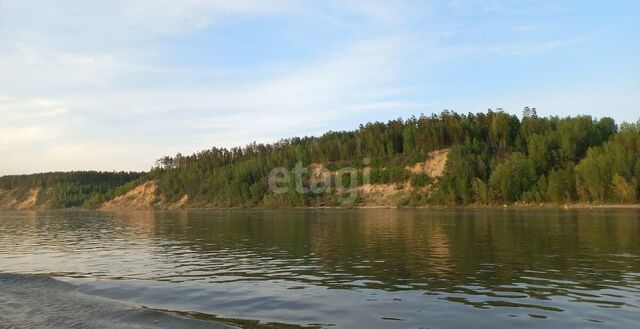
(12, 200)
(180, 203)
(29, 202)
(434, 166)
(142, 196)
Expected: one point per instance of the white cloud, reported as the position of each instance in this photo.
(126, 19)
(178, 16)
(304, 99)
(23, 135)
(13, 109)
(35, 68)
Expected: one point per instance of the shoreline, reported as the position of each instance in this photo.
(542, 206)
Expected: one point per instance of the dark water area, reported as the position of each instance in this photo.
(368, 268)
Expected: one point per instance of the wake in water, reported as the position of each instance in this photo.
(33, 301)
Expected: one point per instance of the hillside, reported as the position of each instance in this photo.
(60, 189)
(447, 159)
(146, 196)
(15, 199)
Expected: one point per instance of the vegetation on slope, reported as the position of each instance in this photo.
(493, 158)
(65, 189)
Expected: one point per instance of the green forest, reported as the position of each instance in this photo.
(494, 158)
(70, 189)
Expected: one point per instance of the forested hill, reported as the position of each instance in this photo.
(446, 159)
(60, 189)
(491, 158)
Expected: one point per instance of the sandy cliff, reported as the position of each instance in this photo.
(144, 196)
(21, 200)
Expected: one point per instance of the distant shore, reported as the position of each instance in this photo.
(478, 206)
(544, 206)
(541, 206)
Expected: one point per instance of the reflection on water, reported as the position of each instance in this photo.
(418, 267)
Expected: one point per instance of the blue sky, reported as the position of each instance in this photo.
(113, 85)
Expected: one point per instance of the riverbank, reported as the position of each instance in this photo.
(567, 206)
(543, 206)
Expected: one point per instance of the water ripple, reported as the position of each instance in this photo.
(516, 265)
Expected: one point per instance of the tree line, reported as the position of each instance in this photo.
(70, 189)
(494, 158)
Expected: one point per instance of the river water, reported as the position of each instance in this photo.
(368, 268)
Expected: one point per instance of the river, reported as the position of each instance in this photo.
(365, 268)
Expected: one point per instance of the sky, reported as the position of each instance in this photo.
(115, 85)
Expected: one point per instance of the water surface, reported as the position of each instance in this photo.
(345, 268)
